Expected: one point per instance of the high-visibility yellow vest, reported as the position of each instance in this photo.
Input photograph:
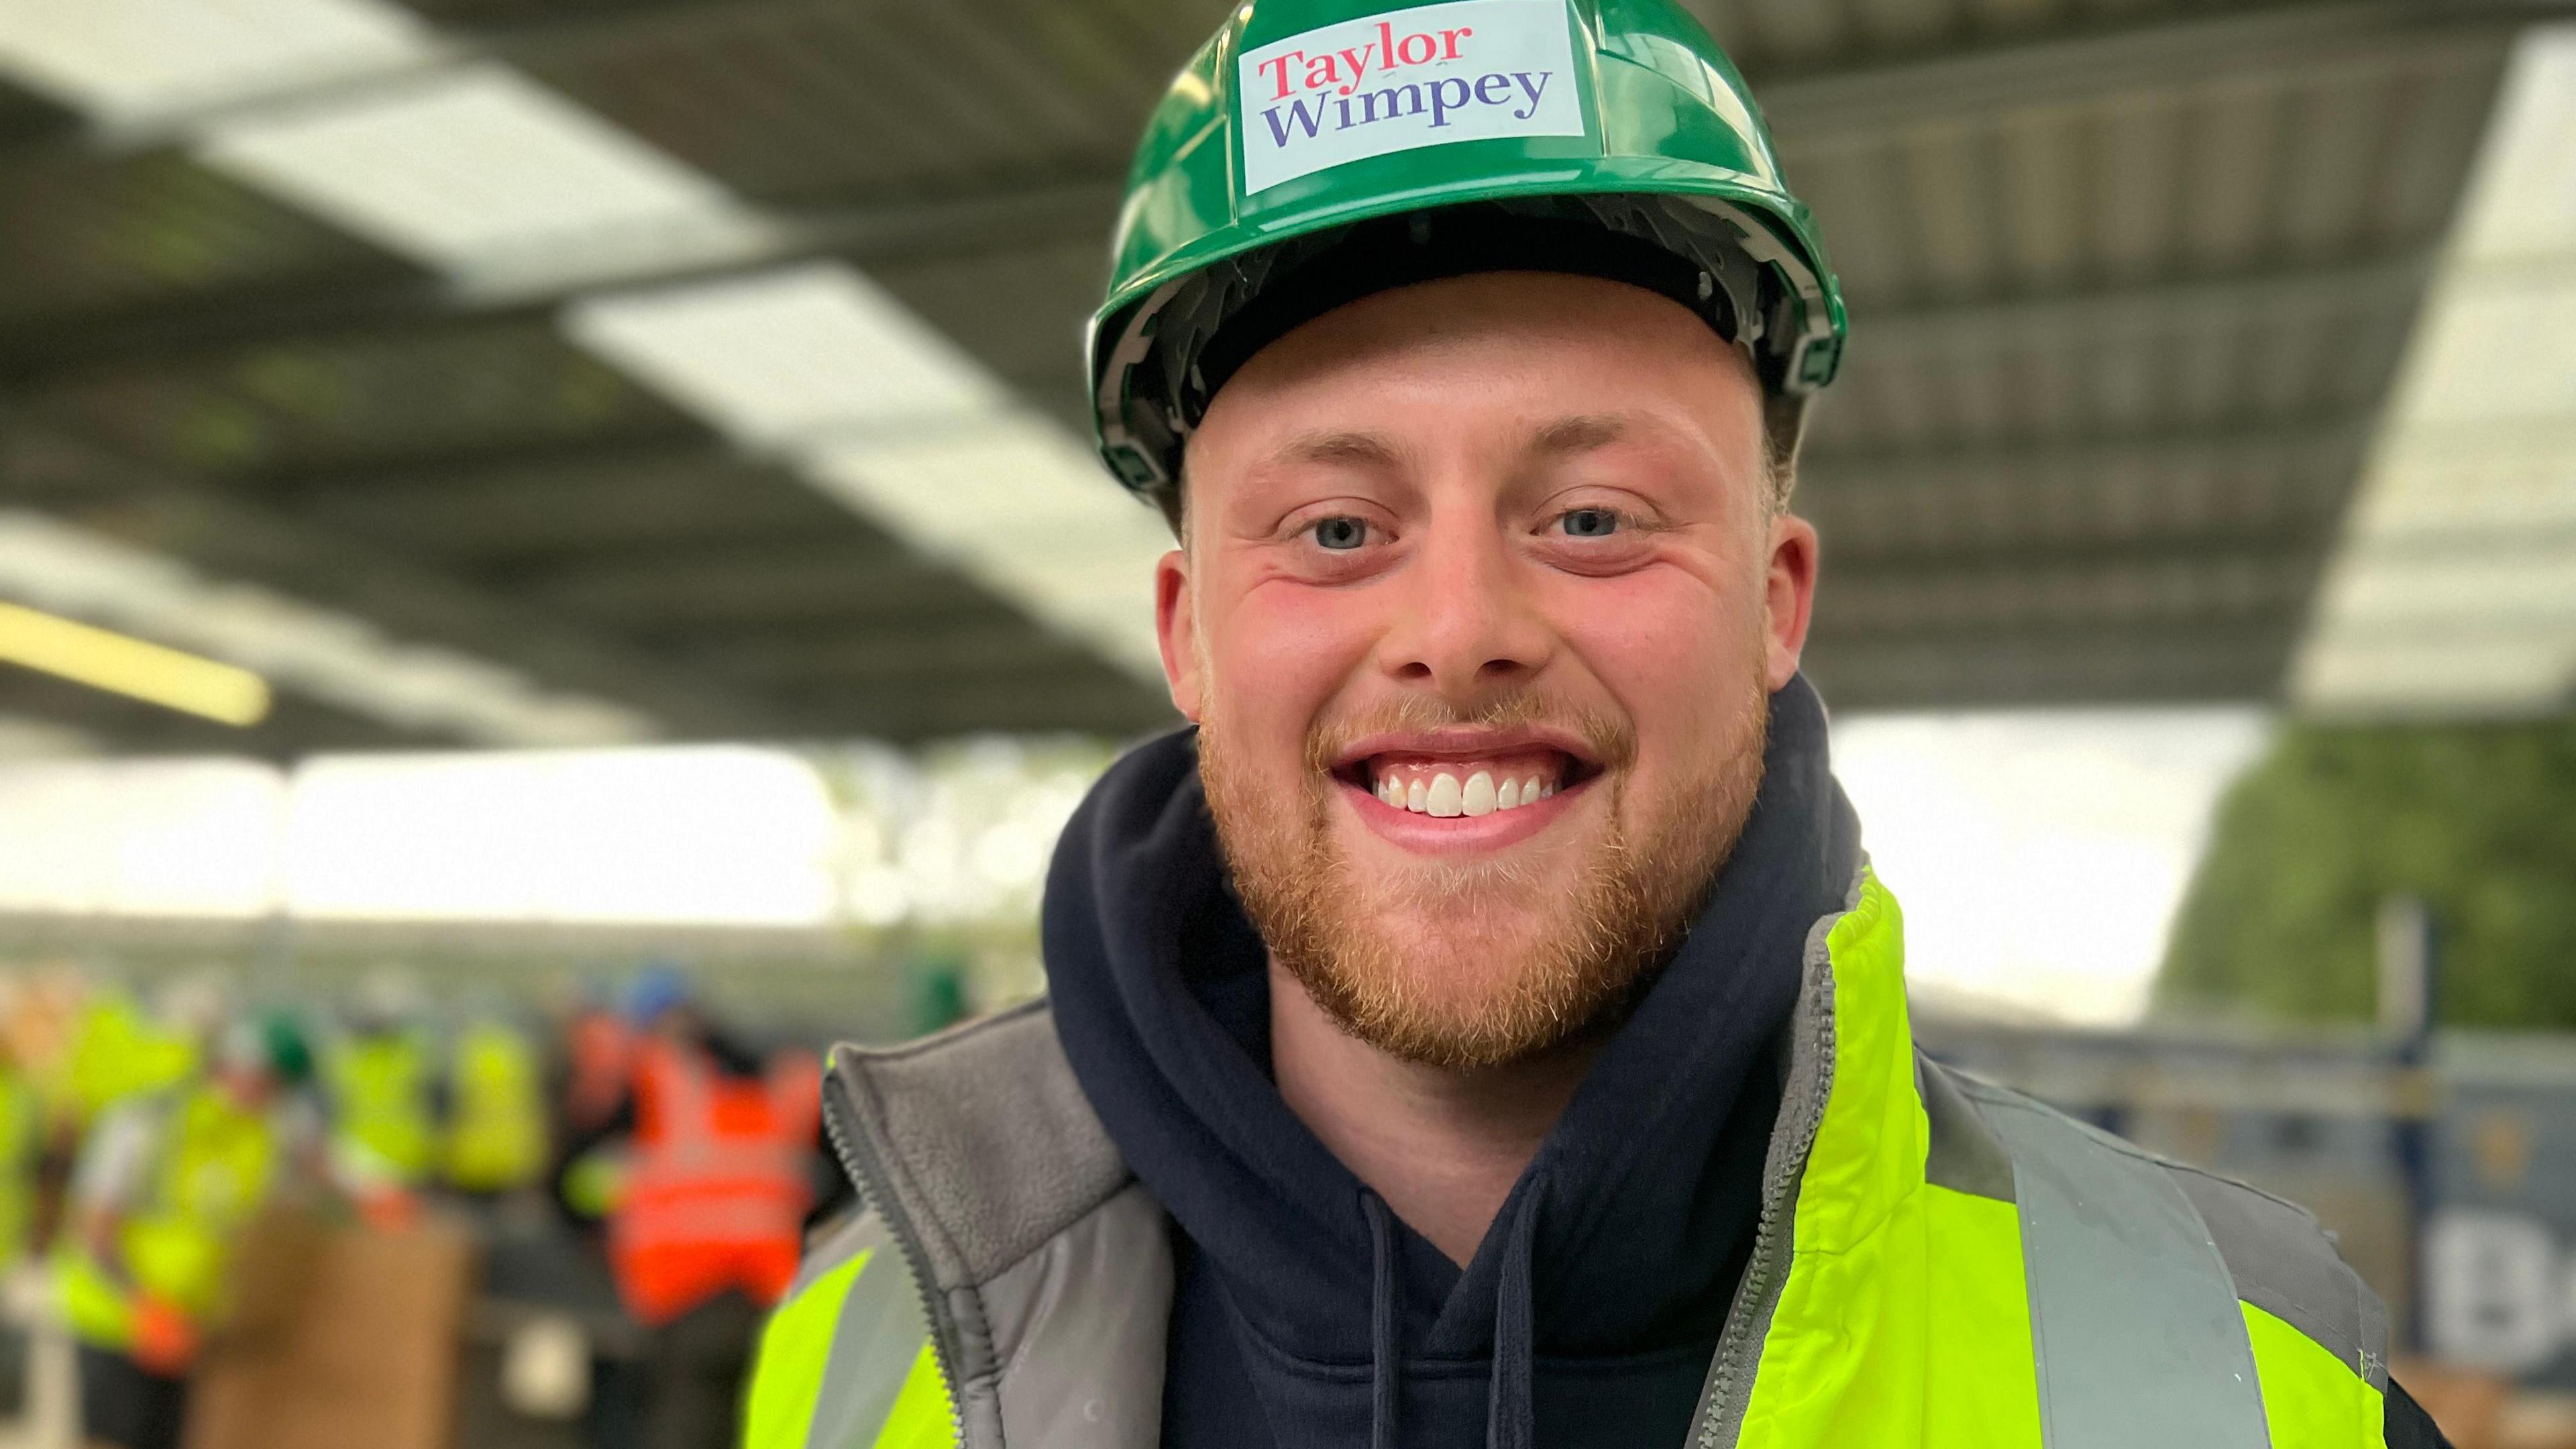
(380, 1100)
(214, 1160)
(119, 1054)
(1941, 1264)
(496, 1137)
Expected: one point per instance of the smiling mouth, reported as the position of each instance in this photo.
(1447, 786)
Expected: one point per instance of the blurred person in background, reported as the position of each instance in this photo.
(22, 1150)
(495, 1140)
(22, 1162)
(1484, 1028)
(381, 1081)
(715, 1153)
(598, 1049)
(120, 1051)
(166, 1184)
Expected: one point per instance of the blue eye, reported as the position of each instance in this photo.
(1590, 523)
(1340, 534)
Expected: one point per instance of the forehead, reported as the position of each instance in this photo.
(1515, 358)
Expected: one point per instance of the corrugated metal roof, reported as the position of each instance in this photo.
(2128, 282)
(361, 401)
(84, 233)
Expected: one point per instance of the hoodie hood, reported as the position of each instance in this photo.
(1604, 1283)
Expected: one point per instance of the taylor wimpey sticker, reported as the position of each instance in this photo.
(1465, 71)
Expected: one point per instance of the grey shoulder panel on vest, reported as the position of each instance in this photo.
(1965, 1154)
(2285, 1263)
(988, 1142)
(2282, 1260)
(876, 1334)
(2134, 1320)
(835, 1243)
(1079, 1330)
(1074, 1335)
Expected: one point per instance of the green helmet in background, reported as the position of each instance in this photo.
(1316, 151)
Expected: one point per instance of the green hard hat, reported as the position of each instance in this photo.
(272, 1042)
(1314, 151)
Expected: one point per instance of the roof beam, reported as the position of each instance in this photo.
(641, 591)
(2275, 547)
(2165, 306)
(2187, 587)
(233, 538)
(1012, 215)
(2167, 54)
(924, 656)
(1862, 470)
(1986, 667)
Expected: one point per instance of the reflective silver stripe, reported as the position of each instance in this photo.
(2134, 1319)
(874, 1342)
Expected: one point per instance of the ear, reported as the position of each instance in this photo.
(1788, 595)
(1174, 621)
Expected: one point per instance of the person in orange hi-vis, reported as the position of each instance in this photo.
(707, 1208)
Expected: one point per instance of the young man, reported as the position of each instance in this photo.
(1484, 1028)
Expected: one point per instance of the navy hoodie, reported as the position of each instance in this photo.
(1305, 1314)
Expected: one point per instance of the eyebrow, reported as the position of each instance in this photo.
(1344, 448)
(1580, 434)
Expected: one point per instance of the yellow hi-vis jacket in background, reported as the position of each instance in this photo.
(209, 1166)
(496, 1132)
(119, 1054)
(1939, 1263)
(385, 1130)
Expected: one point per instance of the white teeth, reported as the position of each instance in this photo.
(1443, 796)
(1478, 798)
(1443, 801)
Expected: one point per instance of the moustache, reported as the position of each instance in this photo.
(1608, 737)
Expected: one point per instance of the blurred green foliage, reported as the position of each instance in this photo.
(2480, 821)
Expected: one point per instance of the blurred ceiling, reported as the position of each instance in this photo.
(298, 303)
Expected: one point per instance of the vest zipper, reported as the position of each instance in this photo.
(1721, 1419)
(859, 1160)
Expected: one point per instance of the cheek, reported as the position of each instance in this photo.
(1665, 644)
(1281, 652)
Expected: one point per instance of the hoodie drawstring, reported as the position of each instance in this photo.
(1386, 1360)
(1509, 1420)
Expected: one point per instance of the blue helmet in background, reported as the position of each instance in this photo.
(661, 986)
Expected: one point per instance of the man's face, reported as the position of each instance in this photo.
(1481, 604)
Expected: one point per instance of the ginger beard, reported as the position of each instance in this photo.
(1477, 978)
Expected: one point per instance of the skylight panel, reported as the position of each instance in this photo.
(2454, 588)
(881, 412)
(1026, 510)
(481, 172)
(133, 62)
(795, 354)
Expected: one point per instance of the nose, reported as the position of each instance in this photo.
(1466, 623)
